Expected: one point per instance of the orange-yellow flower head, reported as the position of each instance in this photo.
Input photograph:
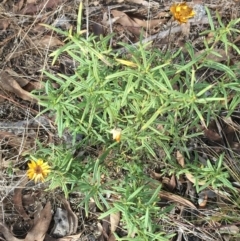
(38, 170)
(116, 134)
(181, 12)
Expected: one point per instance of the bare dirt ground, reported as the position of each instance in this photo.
(25, 46)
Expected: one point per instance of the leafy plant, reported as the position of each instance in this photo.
(158, 101)
(214, 176)
(139, 207)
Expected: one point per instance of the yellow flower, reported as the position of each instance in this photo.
(38, 170)
(116, 134)
(181, 12)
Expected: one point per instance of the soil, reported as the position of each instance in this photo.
(25, 46)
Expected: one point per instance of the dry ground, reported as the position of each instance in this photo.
(25, 46)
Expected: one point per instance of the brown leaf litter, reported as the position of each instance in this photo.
(32, 7)
(39, 229)
(37, 222)
(14, 85)
(24, 47)
(17, 200)
(135, 25)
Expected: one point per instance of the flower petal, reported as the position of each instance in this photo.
(38, 170)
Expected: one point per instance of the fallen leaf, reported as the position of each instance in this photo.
(180, 159)
(185, 29)
(141, 2)
(101, 232)
(75, 237)
(16, 141)
(155, 175)
(219, 55)
(72, 217)
(149, 4)
(48, 41)
(31, 8)
(97, 29)
(237, 39)
(212, 135)
(8, 83)
(127, 22)
(4, 24)
(71, 238)
(105, 227)
(21, 81)
(38, 232)
(2, 96)
(172, 183)
(31, 1)
(111, 237)
(149, 24)
(17, 199)
(6, 233)
(33, 85)
(175, 198)
(51, 3)
(49, 238)
(37, 212)
(202, 199)
(190, 177)
(18, 6)
(114, 221)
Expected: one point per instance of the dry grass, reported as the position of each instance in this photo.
(25, 46)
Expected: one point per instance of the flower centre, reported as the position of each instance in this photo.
(38, 170)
